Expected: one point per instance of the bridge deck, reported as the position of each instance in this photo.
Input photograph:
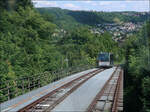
(80, 99)
(23, 100)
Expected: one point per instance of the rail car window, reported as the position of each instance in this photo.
(103, 57)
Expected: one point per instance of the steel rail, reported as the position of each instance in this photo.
(69, 92)
(99, 95)
(117, 91)
(33, 105)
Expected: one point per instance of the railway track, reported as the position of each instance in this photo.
(110, 98)
(118, 97)
(49, 101)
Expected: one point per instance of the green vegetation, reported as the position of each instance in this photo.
(68, 19)
(137, 72)
(28, 45)
(33, 41)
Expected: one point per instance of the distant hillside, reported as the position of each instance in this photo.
(65, 18)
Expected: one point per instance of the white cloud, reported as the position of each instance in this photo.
(105, 3)
(45, 3)
(88, 2)
(142, 5)
(72, 6)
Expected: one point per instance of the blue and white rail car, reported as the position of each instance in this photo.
(105, 60)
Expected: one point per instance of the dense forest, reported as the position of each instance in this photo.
(137, 71)
(31, 42)
(28, 45)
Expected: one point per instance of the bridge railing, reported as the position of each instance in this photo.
(13, 88)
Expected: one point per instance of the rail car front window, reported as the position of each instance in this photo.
(103, 57)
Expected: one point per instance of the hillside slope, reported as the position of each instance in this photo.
(63, 17)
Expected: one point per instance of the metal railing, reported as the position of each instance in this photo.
(13, 88)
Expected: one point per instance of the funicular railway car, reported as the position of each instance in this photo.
(105, 60)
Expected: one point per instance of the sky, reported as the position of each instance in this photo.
(96, 5)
